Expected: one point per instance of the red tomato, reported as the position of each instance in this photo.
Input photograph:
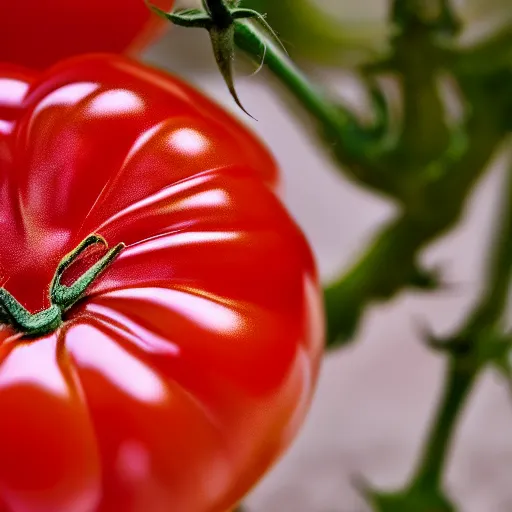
(37, 33)
(189, 365)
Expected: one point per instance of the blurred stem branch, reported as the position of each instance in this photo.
(457, 385)
(391, 262)
(474, 337)
(427, 148)
(357, 149)
(469, 351)
(353, 146)
(489, 311)
(317, 35)
(438, 165)
(486, 56)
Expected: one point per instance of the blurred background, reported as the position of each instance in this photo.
(375, 397)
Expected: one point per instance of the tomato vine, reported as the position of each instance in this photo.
(428, 167)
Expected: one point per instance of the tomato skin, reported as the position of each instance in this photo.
(38, 33)
(189, 366)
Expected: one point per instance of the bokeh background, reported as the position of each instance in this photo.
(375, 397)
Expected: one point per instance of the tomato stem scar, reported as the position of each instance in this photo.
(62, 297)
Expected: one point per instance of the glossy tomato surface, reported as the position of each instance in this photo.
(189, 365)
(38, 33)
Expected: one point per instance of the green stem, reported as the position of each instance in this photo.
(466, 364)
(425, 135)
(385, 268)
(62, 297)
(431, 206)
(489, 55)
(375, 276)
(353, 146)
(470, 351)
(250, 39)
(458, 383)
(69, 258)
(317, 35)
(499, 270)
(21, 320)
(65, 296)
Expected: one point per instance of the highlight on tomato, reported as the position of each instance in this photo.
(38, 33)
(161, 317)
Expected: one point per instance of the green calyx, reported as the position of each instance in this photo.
(62, 297)
(219, 18)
